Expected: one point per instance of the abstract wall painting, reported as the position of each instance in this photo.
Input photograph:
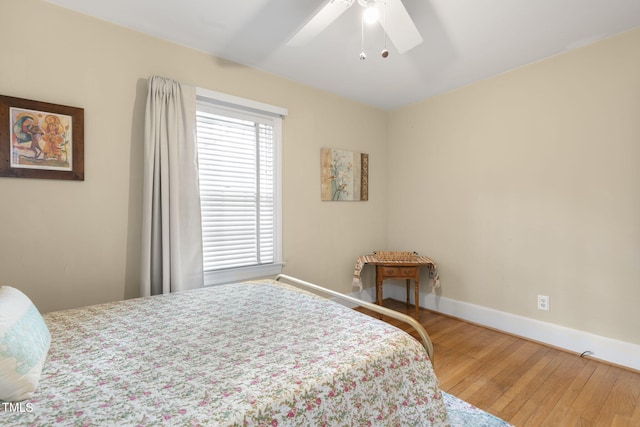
(41, 140)
(345, 175)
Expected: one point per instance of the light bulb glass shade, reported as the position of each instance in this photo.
(371, 14)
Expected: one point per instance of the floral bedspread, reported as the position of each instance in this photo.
(251, 354)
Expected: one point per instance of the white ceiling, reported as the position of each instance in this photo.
(464, 40)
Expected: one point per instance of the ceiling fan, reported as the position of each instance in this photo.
(394, 19)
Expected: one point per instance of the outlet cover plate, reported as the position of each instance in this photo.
(543, 302)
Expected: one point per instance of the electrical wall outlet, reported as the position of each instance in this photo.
(543, 302)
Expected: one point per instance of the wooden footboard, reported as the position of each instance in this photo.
(426, 341)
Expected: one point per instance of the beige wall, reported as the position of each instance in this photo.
(524, 184)
(529, 183)
(68, 244)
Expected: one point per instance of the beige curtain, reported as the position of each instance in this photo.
(171, 223)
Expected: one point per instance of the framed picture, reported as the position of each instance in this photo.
(345, 175)
(41, 140)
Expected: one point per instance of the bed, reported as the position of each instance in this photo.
(259, 353)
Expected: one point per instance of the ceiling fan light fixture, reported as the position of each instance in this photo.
(371, 13)
(392, 16)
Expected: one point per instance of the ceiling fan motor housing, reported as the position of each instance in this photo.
(368, 3)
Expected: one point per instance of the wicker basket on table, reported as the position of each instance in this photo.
(395, 256)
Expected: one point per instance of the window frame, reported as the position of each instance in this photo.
(259, 112)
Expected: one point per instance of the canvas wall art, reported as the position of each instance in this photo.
(345, 175)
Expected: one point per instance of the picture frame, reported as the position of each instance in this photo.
(344, 175)
(41, 140)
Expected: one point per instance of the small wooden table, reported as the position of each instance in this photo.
(396, 265)
(395, 270)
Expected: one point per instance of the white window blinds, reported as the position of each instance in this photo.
(239, 186)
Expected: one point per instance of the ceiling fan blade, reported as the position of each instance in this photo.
(329, 13)
(399, 26)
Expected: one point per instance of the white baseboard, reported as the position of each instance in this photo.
(599, 347)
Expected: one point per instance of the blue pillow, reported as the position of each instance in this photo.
(24, 343)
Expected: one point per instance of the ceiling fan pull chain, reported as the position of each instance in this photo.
(384, 52)
(363, 55)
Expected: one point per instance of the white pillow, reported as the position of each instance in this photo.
(24, 343)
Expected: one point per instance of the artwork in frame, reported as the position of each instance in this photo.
(345, 175)
(41, 140)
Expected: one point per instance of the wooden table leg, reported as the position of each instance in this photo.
(416, 281)
(408, 284)
(379, 288)
(379, 280)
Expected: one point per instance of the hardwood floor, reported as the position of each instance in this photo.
(526, 383)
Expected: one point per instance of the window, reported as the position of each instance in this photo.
(239, 165)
